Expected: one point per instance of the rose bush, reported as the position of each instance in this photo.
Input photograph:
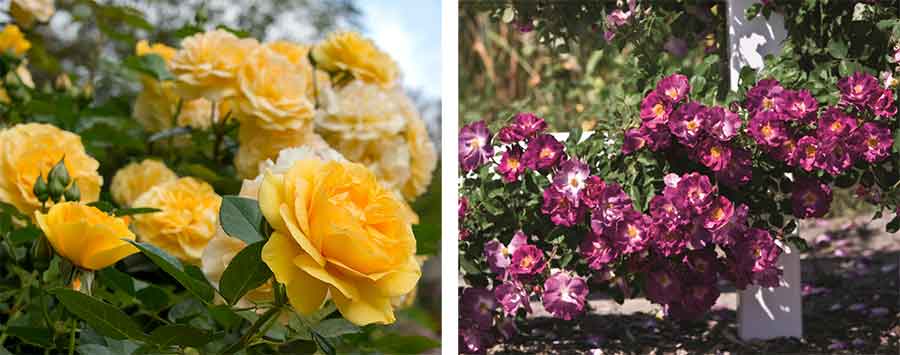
(213, 197)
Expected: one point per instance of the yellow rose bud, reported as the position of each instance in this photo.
(13, 41)
(338, 232)
(350, 52)
(86, 236)
(25, 12)
(273, 92)
(31, 150)
(207, 64)
(136, 178)
(187, 220)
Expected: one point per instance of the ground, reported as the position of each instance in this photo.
(851, 305)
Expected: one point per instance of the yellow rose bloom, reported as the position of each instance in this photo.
(13, 41)
(422, 157)
(387, 157)
(136, 178)
(25, 12)
(338, 232)
(86, 236)
(156, 104)
(144, 48)
(350, 52)
(273, 92)
(364, 112)
(298, 55)
(207, 64)
(188, 220)
(258, 144)
(30, 150)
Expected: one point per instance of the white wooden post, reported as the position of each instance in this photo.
(764, 313)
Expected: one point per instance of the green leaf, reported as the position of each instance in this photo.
(837, 48)
(798, 243)
(323, 343)
(103, 317)
(897, 141)
(894, 225)
(171, 265)
(22, 235)
(153, 298)
(103, 206)
(179, 334)
(32, 335)
(150, 64)
(405, 344)
(331, 328)
(753, 11)
(133, 211)
(241, 218)
(116, 279)
(245, 272)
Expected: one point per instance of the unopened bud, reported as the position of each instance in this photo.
(40, 189)
(59, 173)
(73, 193)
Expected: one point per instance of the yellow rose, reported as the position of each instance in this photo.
(350, 52)
(13, 41)
(422, 157)
(387, 157)
(136, 178)
(273, 93)
(298, 55)
(258, 144)
(338, 232)
(31, 150)
(156, 104)
(144, 48)
(86, 236)
(26, 11)
(188, 220)
(207, 64)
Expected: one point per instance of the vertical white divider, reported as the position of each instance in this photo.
(764, 312)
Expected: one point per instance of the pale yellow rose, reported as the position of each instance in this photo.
(360, 111)
(298, 55)
(351, 53)
(30, 150)
(157, 102)
(257, 144)
(25, 12)
(187, 220)
(207, 64)
(86, 236)
(13, 41)
(388, 157)
(273, 92)
(338, 233)
(136, 178)
(422, 157)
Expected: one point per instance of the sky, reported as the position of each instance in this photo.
(410, 31)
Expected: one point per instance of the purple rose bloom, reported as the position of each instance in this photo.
(768, 129)
(721, 123)
(765, 96)
(632, 231)
(882, 103)
(800, 105)
(835, 124)
(564, 295)
(695, 192)
(635, 140)
(598, 251)
(768, 277)
(563, 209)
(477, 307)
(686, 123)
(762, 249)
(543, 152)
(669, 241)
(527, 260)
(719, 214)
(613, 203)
(509, 135)
(673, 88)
(473, 340)
(658, 137)
(512, 297)
(655, 110)
(806, 152)
(511, 166)
(663, 210)
(703, 266)
(735, 229)
(810, 198)
(872, 142)
(662, 285)
(697, 300)
(739, 170)
(571, 177)
(498, 255)
(787, 152)
(462, 208)
(529, 125)
(834, 157)
(474, 145)
(592, 196)
(713, 154)
(857, 88)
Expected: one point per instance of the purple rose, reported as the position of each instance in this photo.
(509, 135)
(810, 198)
(613, 203)
(563, 209)
(697, 300)
(570, 178)
(735, 229)
(527, 260)
(669, 241)
(662, 285)
(833, 156)
(703, 266)
(686, 123)
(477, 306)
(721, 123)
(719, 214)
(632, 231)
(673, 88)
(473, 340)
(739, 170)
(511, 166)
(806, 152)
(663, 210)
(564, 295)
(543, 152)
(713, 154)
(882, 103)
(598, 251)
(857, 88)
(529, 125)
(800, 105)
(498, 255)
(635, 140)
(835, 124)
(765, 96)
(462, 208)
(872, 142)
(512, 297)
(787, 152)
(655, 110)
(592, 196)
(768, 129)
(474, 145)
(695, 192)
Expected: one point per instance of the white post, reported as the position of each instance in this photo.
(764, 313)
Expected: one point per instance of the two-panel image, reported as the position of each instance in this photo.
(442, 177)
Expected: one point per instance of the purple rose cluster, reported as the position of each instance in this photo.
(674, 243)
(541, 153)
(705, 132)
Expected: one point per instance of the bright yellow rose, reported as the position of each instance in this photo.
(207, 64)
(13, 41)
(188, 220)
(136, 178)
(258, 144)
(144, 48)
(338, 232)
(31, 150)
(273, 93)
(350, 52)
(25, 12)
(387, 157)
(86, 236)
(298, 55)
